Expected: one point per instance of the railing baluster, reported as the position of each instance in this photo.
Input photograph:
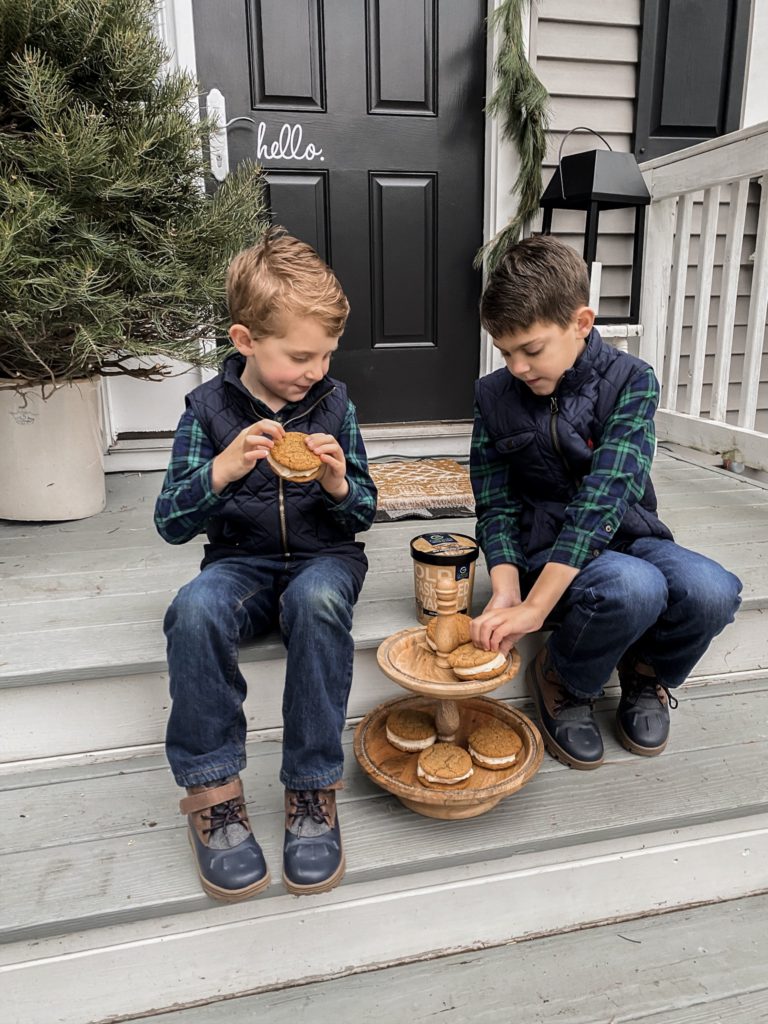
(758, 303)
(655, 295)
(729, 289)
(707, 241)
(677, 301)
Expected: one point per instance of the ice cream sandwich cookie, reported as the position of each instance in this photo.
(494, 746)
(444, 764)
(292, 460)
(411, 730)
(470, 662)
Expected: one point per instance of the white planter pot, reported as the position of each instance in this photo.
(51, 462)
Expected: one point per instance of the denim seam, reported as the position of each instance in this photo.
(248, 597)
(568, 686)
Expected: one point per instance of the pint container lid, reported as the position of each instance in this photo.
(444, 548)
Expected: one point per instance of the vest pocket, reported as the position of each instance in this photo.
(515, 442)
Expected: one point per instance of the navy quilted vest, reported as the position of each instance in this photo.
(523, 427)
(263, 513)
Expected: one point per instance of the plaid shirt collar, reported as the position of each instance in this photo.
(573, 378)
(232, 369)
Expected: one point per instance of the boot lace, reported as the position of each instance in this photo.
(568, 700)
(222, 815)
(649, 686)
(308, 804)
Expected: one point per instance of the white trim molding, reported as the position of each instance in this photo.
(755, 99)
(502, 164)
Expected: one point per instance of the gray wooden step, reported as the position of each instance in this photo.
(82, 671)
(697, 966)
(97, 872)
(86, 600)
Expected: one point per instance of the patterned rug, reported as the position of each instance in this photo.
(422, 489)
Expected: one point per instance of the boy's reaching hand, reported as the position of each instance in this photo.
(239, 457)
(334, 479)
(500, 629)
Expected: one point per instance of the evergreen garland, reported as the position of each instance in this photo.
(523, 102)
(110, 247)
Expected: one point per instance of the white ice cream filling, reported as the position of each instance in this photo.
(484, 759)
(443, 782)
(498, 661)
(402, 744)
(298, 474)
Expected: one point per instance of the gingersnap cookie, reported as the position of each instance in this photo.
(444, 764)
(470, 662)
(292, 460)
(411, 730)
(494, 746)
(459, 623)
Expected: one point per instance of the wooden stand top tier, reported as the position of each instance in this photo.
(409, 661)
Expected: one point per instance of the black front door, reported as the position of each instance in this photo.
(368, 116)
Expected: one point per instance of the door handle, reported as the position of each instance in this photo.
(216, 106)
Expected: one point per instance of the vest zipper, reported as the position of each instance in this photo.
(554, 413)
(280, 488)
(281, 507)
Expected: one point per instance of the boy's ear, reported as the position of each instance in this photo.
(241, 339)
(585, 320)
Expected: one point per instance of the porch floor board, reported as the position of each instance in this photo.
(687, 967)
(124, 818)
(95, 857)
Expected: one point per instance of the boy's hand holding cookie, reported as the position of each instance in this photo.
(329, 451)
(239, 457)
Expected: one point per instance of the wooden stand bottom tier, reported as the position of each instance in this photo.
(395, 770)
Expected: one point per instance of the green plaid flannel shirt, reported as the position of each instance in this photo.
(187, 498)
(617, 479)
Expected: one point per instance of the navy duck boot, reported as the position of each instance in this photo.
(570, 732)
(642, 717)
(230, 862)
(313, 857)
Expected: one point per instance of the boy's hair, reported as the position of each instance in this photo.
(283, 276)
(538, 280)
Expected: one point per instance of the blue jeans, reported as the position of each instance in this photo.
(237, 599)
(662, 600)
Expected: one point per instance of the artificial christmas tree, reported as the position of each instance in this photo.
(111, 248)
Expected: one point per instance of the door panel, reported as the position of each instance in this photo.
(368, 117)
(303, 198)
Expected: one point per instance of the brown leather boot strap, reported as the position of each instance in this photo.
(210, 797)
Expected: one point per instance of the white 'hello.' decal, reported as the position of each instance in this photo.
(289, 145)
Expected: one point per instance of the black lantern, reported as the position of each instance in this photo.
(594, 181)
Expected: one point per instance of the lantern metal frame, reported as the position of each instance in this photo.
(594, 181)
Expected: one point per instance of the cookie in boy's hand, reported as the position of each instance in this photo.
(444, 764)
(460, 634)
(292, 460)
(470, 662)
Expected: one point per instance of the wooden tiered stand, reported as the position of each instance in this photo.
(458, 709)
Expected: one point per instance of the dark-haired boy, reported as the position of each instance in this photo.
(561, 453)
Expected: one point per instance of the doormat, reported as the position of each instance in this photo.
(422, 489)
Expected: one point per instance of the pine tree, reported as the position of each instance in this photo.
(109, 245)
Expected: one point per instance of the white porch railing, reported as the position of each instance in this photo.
(691, 412)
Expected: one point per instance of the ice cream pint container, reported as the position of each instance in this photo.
(438, 557)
